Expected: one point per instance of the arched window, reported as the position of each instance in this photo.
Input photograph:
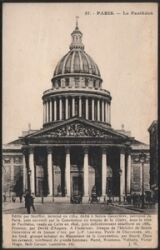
(76, 106)
(95, 110)
(52, 110)
(69, 107)
(90, 109)
(83, 107)
(100, 110)
(57, 110)
(63, 108)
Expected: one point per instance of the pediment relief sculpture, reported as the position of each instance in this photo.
(78, 130)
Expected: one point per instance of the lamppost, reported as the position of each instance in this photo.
(142, 159)
(29, 181)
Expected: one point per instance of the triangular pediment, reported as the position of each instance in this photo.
(77, 128)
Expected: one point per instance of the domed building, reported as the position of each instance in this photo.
(76, 88)
(77, 152)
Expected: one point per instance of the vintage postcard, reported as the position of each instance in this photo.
(80, 159)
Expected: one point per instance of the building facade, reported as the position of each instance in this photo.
(153, 131)
(77, 150)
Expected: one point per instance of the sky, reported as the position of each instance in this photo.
(124, 46)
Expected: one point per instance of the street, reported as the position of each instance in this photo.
(59, 208)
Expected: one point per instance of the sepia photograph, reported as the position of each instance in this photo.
(79, 110)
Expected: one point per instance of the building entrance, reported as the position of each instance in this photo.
(77, 185)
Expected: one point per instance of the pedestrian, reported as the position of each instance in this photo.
(4, 197)
(13, 198)
(138, 200)
(28, 202)
(20, 197)
(134, 199)
(32, 202)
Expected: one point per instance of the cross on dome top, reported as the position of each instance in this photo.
(77, 21)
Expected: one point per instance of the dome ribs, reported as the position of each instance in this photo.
(77, 61)
(81, 62)
(72, 62)
(85, 64)
(68, 63)
(64, 63)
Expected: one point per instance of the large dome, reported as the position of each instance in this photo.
(76, 60)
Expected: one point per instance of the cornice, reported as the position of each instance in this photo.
(77, 75)
(80, 92)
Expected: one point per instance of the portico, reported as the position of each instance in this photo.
(60, 171)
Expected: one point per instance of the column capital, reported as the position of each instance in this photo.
(31, 150)
(129, 151)
(49, 150)
(67, 149)
(104, 150)
(24, 151)
(122, 150)
(86, 150)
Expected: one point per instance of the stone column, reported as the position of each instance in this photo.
(43, 112)
(24, 174)
(60, 108)
(80, 106)
(12, 182)
(32, 169)
(55, 110)
(141, 177)
(46, 111)
(12, 170)
(66, 107)
(50, 110)
(104, 173)
(50, 173)
(102, 111)
(105, 113)
(67, 173)
(86, 108)
(73, 106)
(93, 109)
(122, 175)
(109, 114)
(129, 174)
(98, 110)
(85, 176)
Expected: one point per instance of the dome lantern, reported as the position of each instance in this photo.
(76, 38)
